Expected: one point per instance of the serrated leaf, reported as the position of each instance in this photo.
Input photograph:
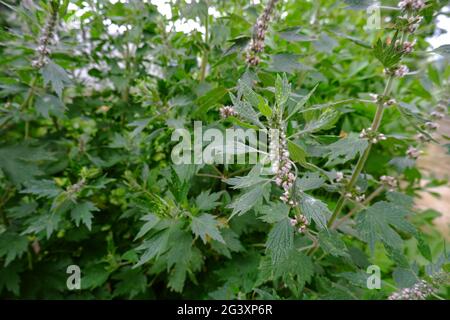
(388, 54)
(82, 212)
(56, 76)
(273, 212)
(375, 224)
(10, 279)
(295, 269)
(12, 246)
(280, 241)
(331, 243)
(246, 201)
(42, 188)
(206, 225)
(345, 149)
(309, 181)
(21, 162)
(245, 111)
(151, 221)
(207, 201)
(325, 121)
(131, 283)
(153, 247)
(314, 209)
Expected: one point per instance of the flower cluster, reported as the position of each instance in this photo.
(300, 223)
(412, 23)
(420, 291)
(407, 46)
(356, 197)
(422, 138)
(259, 34)
(385, 100)
(339, 176)
(371, 135)
(413, 153)
(45, 40)
(227, 111)
(411, 4)
(282, 165)
(432, 126)
(389, 182)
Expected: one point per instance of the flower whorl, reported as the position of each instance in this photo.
(282, 164)
(45, 40)
(419, 291)
(259, 34)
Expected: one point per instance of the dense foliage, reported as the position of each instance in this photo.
(91, 92)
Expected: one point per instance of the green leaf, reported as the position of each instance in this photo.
(309, 181)
(282, 90)
(295, 269)
(210, 99)
(82, 212)
(50, 105)
(131, 283)
(302, 102)
(443, 50)
(245, 111)
(21, 162)
(264, 108)
(246, 201)
(153, 247)
(94, 275)
(12, 246)
(388, 54)
(325, 121)
(10, 279)
(151, 221)
(42, 188)
(206, 225)
(274, 212)
(404, 277)
(314, 209)
(249, 180)
(287, 62)
(331, 243)
(57, 76)
(345, 149)
(280, 241)
(207, 201)
(376, 224)
(423, 247)
(296, 152)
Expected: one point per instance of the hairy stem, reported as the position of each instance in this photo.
(363, 158)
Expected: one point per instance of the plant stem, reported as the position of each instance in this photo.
(362, 160)
(357, 208)
(25, 104)
(29, 94)
(204, 62)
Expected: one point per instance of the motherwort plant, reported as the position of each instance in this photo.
(389, 53)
